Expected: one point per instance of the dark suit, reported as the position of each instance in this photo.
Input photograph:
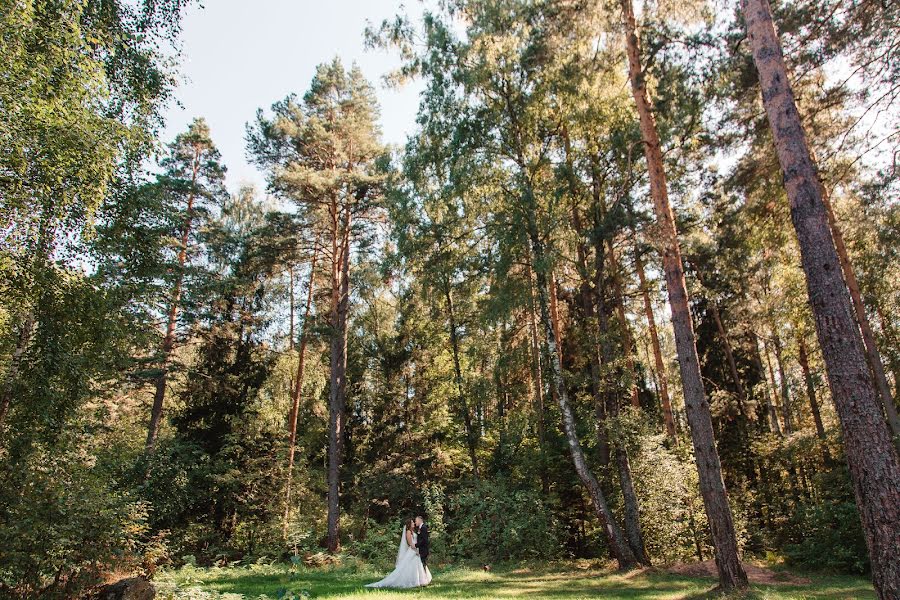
(422, 544)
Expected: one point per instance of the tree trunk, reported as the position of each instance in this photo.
(169, 340)
(471, 434)
(770, 405)
(803, 359)
(340, 297)
(554, 316)
(298, 387)
(291, 296)
(657, 350)
(865, 327)
(617, 543)
(538, 378)
(786, 412)
(871, 455)
(587, 309)
(623, 465)
(729, 355)
(712, 486)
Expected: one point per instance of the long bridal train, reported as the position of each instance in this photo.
(408, 569)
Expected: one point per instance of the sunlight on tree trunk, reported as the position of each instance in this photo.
(871, 455)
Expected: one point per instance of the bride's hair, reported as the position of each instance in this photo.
(411, 524)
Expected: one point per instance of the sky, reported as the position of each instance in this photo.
(241, 55)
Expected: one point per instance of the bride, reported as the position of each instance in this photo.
(408, 570)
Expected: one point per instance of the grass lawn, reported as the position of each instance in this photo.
(282, 581)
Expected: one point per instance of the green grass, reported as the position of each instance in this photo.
(276, 580)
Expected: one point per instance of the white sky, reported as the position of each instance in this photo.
(240, 55)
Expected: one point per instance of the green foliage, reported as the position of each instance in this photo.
(495, 522)
(526, 128)
(829, 530)
(672, 515)
(65, 524)
(379, 545)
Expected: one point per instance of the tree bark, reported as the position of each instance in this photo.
(168, 344)
(868, 337)
(871, 455)
(471, 434)
(786, 412)
(803, 359)
(291, 296)
(712, 486)
(617, 543)
(729, 355)
(623, 465)
(340, 298)
(554, 316)
(298, 387)
(770, 405)
(657, 350)
(538, 378)
(587, 309)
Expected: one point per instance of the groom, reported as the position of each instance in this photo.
(422, 542)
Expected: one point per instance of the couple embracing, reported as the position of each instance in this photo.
(411, 567)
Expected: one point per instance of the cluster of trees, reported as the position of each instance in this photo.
(603, 301)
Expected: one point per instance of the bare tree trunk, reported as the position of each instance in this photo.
(600, 412)
(617, 543)
(340, 297)
(729, 355)
(168, 344)
(871, 455)
(786, 412)
(862, 319)
(709, 468)
(291, 295)
(554, 316)
(538, 378)
(298, 388)
(803, 359)
(770, 405)
(587, 308)
(471, 434)
(657, 350)
(623, 465)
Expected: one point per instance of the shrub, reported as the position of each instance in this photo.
(63, 527)
(379, 544)
(491, 522)
(830, 530)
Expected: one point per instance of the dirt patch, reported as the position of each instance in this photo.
(755, 573)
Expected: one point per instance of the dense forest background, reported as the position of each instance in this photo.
(488, 326)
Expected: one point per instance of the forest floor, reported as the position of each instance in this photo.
(682, 582)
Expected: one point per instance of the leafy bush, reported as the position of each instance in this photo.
(830, 531)
(63, 527)
(673, 519)
(491, 522)
(379, 544)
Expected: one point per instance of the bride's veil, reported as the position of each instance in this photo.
(402, 549)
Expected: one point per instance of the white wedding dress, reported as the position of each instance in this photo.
(408, 570)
